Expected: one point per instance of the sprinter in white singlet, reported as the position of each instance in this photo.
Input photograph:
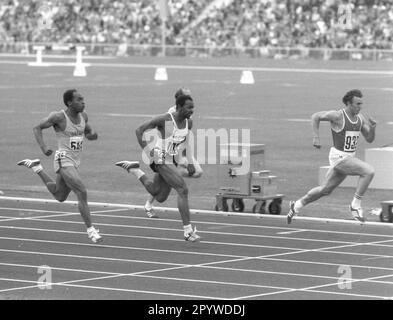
(173, 130)
(70, 126)
(194, 171)
(346, 126)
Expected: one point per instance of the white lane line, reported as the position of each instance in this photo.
(32, 210)
(209, 264)
(57, 268)
(294, 249)
(80, 286)
(109, 210)
(290, 232)
(257, 226)
(312, 289)
(218, 68)
(201, 265)
(297, 120)
(37, 217)
(86, 257)
(78, 244)
(72, 284)
(210, 212)
(170, 229)
(141, 276)
(326, 263)
(139, 237)
(247, 235)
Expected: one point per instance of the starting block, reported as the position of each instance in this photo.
(38, 63)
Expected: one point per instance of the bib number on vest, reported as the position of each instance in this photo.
(172, 149)
(60, 155)
(76, 143)
(351, 140)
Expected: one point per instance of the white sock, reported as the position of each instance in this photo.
(187, 229)
(149, 203)
(37, 168)
(138, 173)
(298, 205)
(356, 202)
(90, 229)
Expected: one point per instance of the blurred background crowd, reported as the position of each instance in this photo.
(205, 23)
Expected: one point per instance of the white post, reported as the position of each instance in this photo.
(38, 62)
(80, 70)
(79, 51)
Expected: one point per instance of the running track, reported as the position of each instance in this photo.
(241, 257)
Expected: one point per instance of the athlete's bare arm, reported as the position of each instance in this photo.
(368, 128)
(157, 122)
(333, 116)
(89, 133)
(56, 120)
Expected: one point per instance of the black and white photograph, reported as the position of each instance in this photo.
(194, 157)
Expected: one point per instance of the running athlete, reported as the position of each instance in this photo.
(346, 126)
(174, 128)
(70, 126)
(184, 169)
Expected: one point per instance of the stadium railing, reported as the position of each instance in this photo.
(124, 50)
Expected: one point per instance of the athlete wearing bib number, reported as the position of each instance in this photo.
(167, 150)
(186, 168)
(173, 130)
(69, 143)
(346, 126)
(70, 127)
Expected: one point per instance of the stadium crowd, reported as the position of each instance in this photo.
(242, 23)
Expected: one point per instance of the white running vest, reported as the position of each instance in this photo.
(70, 141)
(178, 136)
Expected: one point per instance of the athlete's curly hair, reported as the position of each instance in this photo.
(350, 94)
(181, 100)
(68, 96)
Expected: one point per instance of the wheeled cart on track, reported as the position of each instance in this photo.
(238, 205)
(244, 177)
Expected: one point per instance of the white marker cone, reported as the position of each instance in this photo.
(161, 74)
(247, 77)
(80, 70)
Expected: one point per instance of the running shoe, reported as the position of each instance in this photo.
(291, 212)
(127, 165)
(149, 210)
(192, 236)
(357, 214)
(29, 163)
(94, 235)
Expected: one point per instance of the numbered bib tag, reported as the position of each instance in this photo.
(76, 143)
(158, 156)
(172, 149)
(351, 140)
(60, 155)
